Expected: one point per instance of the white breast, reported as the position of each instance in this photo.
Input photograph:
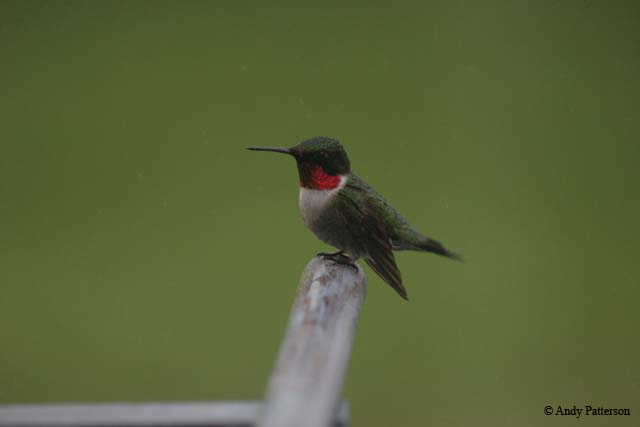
(313, 202)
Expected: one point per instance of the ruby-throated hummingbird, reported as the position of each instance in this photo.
(345, 212)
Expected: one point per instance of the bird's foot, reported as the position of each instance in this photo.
(330, 254)
(339, 258)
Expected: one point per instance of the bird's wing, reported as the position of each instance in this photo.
(381, 258)
(369, 229)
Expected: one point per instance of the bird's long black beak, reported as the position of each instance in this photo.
(274, 149)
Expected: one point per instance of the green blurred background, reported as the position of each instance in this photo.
(145, 255)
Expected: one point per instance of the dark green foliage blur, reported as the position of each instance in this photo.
(145, 255)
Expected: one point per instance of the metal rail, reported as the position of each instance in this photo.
(185, 414)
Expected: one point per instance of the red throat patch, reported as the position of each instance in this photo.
(317, 179)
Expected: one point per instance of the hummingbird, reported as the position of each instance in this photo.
(343, 211)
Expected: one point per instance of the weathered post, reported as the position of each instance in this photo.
(305, 385)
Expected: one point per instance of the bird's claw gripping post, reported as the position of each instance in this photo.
(339, 258)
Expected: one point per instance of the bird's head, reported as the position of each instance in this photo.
(322, 162)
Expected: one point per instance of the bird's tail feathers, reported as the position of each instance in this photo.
(431, 245)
